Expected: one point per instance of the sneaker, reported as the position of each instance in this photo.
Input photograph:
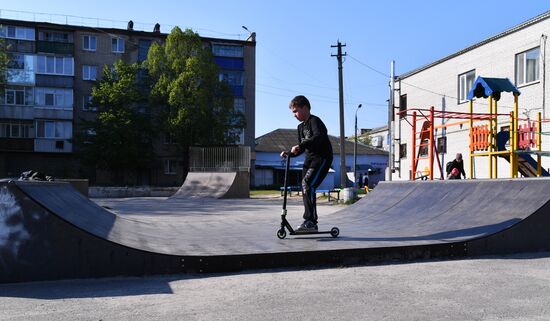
(307, 226)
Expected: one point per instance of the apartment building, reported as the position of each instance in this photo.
(518, 54)
(50, 78)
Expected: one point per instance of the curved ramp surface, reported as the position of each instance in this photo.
(51, 225)
(214, 185)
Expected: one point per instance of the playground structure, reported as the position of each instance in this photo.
(514, 145)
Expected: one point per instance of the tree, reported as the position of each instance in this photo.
(363, 139)
(120, 139)
(197, 108)
(4, 58)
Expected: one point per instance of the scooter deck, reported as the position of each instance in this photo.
(308, 232)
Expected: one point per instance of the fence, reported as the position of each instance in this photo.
(219, 159)
(104, 23)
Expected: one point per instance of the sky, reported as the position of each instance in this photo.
(294, 38)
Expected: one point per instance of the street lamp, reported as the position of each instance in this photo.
(355, 149)
(251, 35)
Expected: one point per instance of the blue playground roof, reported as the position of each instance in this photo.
(485, 87)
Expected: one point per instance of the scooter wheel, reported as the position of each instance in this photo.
(334, 232)
(281, 234)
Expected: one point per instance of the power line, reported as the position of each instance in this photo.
(349, 103)
(424, 89)
(369, 67)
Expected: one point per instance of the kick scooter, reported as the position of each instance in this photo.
(281, 233)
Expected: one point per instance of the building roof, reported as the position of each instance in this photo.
(378, 130)
(521, 26)
(68, 27)
(282, 139)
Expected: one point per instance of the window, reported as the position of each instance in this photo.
(168, 138)
(170, 166)
(143, 49)
(527, 66)
(14, 32)
(54, 97)
(15, 130)
(233, 78)
(89, 72)
(117, 45)
(442, 145)
(238, 135)
(87, 103)
(424, 147)
(18, 96)
(402, 105)
(239, 105)
(403, 150)
(227, 50)
(465, 83)
(55, 36)
(89, 43)
(17, 62)
(54, 129)
(54, 65)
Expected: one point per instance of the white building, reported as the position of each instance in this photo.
(518, 54)
(379, 137)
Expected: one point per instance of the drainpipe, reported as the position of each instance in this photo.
(443, 134)
(543, 57)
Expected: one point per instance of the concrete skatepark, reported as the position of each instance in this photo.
(51, 225)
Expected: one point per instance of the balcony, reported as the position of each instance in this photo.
(54, 81)
(21, 46)
(16, 144)
(55, 47)
(53, 113)
(20, 77)
(52, 145)
(16, 112)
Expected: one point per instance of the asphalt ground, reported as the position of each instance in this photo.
(507, 288)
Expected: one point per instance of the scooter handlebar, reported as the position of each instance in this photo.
(287, 153)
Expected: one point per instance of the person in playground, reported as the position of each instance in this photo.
(457, 164)
(313, 140)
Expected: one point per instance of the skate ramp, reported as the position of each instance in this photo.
(215, 185)
(52, 226)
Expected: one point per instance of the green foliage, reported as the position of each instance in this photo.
(363, 139)
(121, 137)
(4, 57)
(197, 106)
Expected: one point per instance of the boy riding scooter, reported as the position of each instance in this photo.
(313, 140)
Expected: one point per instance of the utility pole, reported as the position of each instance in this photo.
(391, 107)
(343, 175)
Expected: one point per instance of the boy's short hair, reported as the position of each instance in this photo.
(300, 101)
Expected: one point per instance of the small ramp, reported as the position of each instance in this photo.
(48, 230)
(215, 185)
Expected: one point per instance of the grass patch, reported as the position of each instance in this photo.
(264, 192)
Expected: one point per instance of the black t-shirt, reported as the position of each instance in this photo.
(313, 139)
